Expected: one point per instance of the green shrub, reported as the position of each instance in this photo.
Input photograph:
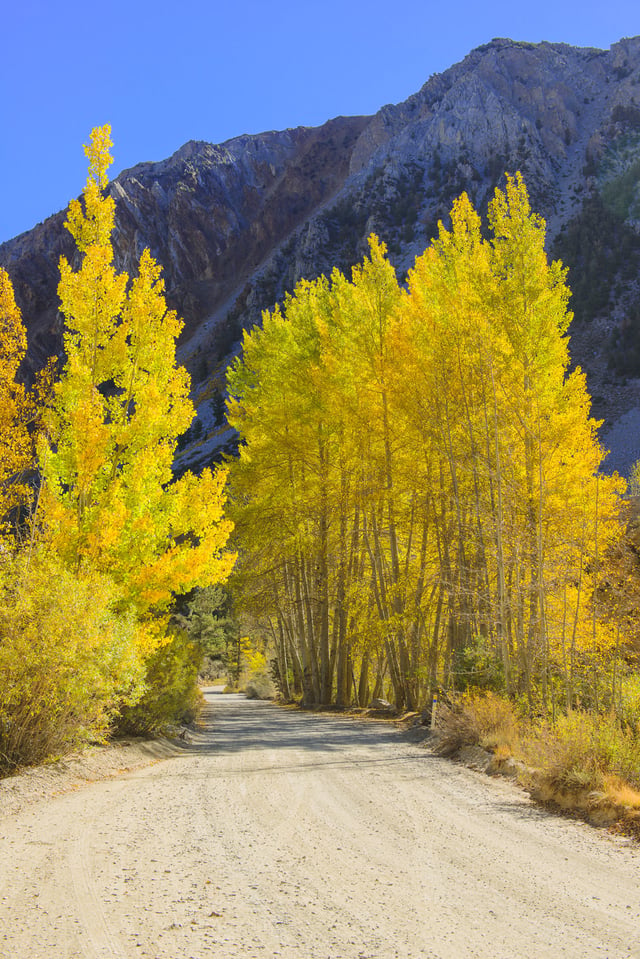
(478, 666)
(582, 749)
(628, 701)
(171, 693)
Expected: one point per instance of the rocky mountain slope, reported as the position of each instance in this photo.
(236, 225)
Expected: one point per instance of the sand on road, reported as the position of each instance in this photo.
(279, 833)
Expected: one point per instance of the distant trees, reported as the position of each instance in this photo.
(417, 492)
(600, 249)
(207, 617)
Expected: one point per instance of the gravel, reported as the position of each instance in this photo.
(278, 833)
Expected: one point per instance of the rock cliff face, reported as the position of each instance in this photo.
(209, 214)
(236, 225)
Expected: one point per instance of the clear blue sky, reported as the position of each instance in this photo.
(165, 72)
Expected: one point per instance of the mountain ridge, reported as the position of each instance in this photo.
(235, 225)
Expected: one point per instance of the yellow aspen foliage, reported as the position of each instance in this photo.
(109, 498)
(16, 447)
(67, 661)
(418, 496)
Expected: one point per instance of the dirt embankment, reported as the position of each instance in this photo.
(92, 765)
(277, 833)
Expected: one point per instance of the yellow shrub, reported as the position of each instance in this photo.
(66, 659)
(478, 718)
(496, 719)
(171, 695)
(257, 681)
(582, 749)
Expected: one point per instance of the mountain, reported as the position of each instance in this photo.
(236, 225)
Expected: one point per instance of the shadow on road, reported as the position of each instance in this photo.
(230, 723)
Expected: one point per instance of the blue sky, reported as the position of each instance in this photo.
(165, 72)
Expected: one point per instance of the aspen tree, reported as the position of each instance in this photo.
(109, 498)
(488, 321)
(283, 473)
(554, 449)
(419, 486)
(16, 445)
(366, 309)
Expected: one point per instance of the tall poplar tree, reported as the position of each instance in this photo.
(109, 498)
(16, 452)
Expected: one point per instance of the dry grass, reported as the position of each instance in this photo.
(582, 749)
(478, 719)
(622, 794)
(585, 763)
(616, 803)
(502, 753)
(498, 722)
(455, 728)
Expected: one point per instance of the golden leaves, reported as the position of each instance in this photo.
(435, 438)
(117, 412)
(16, 409)
(92, 226)
(97, 153)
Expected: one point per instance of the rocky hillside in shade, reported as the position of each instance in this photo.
(209, 214)
(237, 225)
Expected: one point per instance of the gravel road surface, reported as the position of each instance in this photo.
(278, 833)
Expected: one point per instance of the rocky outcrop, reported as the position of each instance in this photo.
(236, 225)
(209, 214)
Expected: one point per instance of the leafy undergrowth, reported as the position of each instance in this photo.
(66, 659)
(172, 697)
(485, 720)
(584, 763)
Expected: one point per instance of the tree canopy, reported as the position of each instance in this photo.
(120, 404)
(417, 490)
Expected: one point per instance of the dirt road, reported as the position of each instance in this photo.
(284, 834)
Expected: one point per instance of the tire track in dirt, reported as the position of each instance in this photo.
(99, 941)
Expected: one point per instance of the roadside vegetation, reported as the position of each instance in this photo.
(419, 505)
(582, 761)
(98, 539)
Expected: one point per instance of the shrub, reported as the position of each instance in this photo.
(259, 685)
(456, 727)
(66, 659)
(478, 718)
(258, 681)
(171, 693)
(628, 701)
(496, 718)
(478, 666)
(583, 749)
